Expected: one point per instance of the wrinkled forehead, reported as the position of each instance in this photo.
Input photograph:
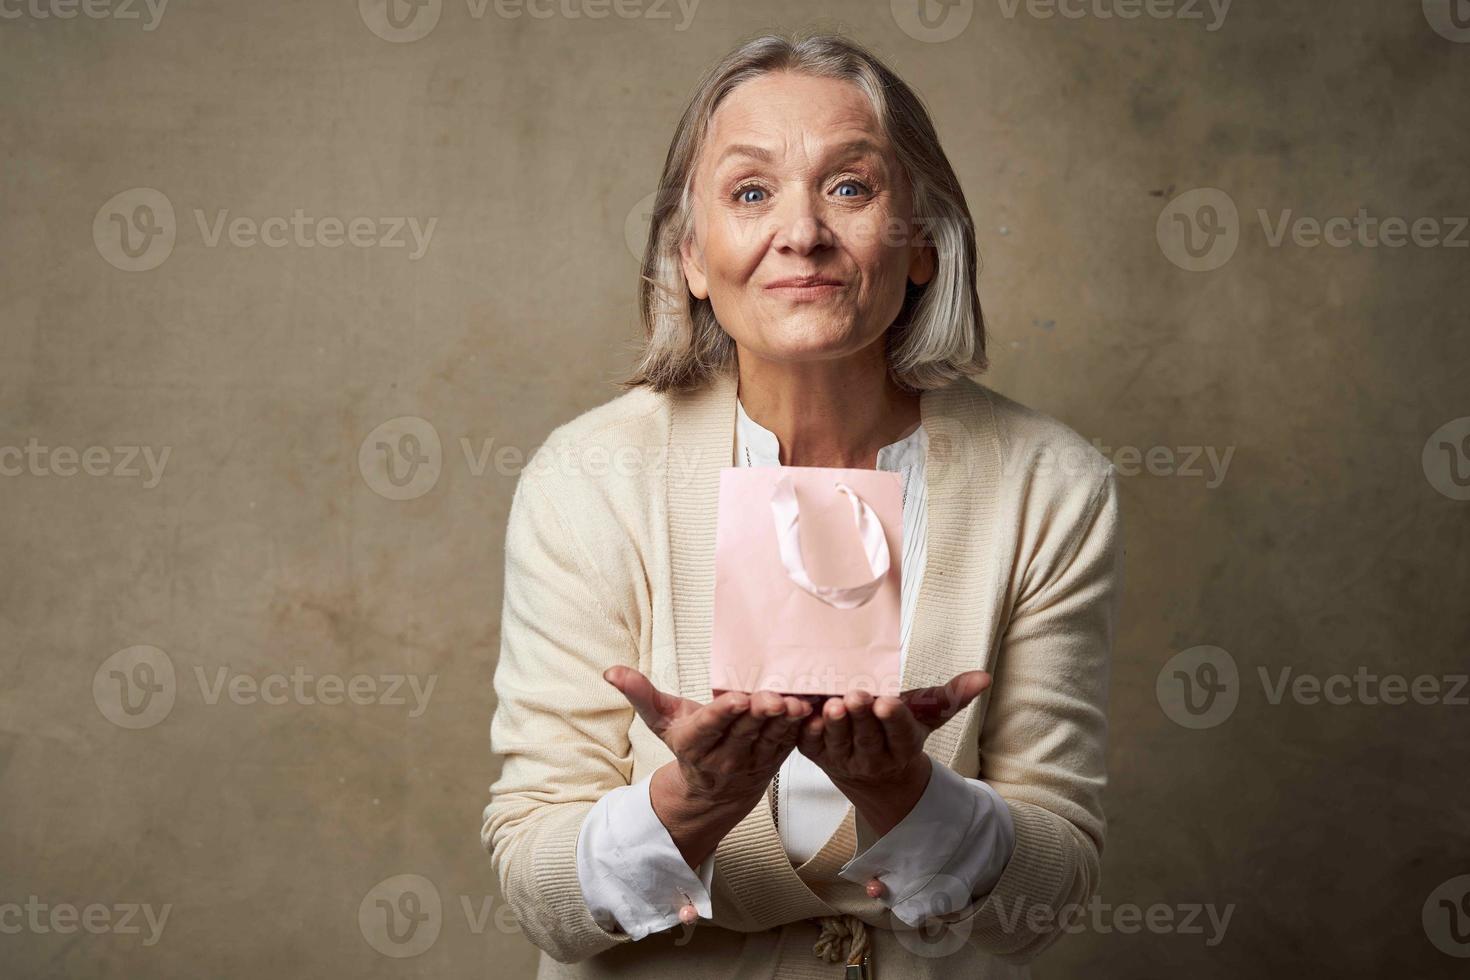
(773, 115)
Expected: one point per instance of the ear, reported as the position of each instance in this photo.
(692, 261)
(923, 262)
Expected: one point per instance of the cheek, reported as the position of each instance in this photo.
(885, 268)
(733, 250)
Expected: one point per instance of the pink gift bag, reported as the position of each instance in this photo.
(807, 580)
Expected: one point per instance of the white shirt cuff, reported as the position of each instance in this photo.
(631, 872)
(949, 850)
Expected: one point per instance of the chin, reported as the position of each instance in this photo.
(810, 338)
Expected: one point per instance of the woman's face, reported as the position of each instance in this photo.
(797, 181)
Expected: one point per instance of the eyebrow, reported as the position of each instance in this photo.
(848, 150)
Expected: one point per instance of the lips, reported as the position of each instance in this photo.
(803, 282)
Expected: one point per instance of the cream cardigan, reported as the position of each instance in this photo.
(610, 559)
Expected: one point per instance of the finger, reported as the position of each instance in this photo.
(711, 723)
(746, 729)
(810, 741)
(657, 709)
(780, 732)
(813, 729)
(933, 706)
(900, 730)
(837, 733)
(867, 731)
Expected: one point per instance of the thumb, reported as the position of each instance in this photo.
(653, 706)
(935, 705)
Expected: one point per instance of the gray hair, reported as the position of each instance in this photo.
(939, 333)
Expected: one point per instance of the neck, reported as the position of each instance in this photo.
(837, 412)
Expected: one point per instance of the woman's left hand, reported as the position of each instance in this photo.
(873, 748)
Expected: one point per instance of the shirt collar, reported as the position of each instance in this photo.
(765, 448)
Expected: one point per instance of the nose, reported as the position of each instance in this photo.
(800, 227)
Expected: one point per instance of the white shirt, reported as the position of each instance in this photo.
(633, 876)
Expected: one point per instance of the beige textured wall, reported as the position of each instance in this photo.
(1335, 541)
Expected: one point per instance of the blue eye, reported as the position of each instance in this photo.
(848, 183)
(740, 194)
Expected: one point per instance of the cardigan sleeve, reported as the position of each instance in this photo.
(1043, 742)
(561, 729)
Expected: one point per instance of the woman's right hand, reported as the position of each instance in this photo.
(725, 752)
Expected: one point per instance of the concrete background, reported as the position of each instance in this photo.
(1335, 541)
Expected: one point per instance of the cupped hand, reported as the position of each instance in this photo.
(728, 749)
(875, 744)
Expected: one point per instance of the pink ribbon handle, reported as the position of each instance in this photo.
(788, 537)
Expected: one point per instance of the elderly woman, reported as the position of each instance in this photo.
(809, 298)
